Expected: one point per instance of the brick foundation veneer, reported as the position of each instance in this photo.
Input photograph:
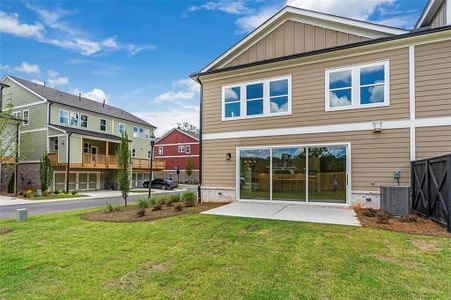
(27, 172)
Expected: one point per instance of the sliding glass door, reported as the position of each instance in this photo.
(294, 173)
(288, 173)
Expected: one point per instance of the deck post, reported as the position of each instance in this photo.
(107, 152)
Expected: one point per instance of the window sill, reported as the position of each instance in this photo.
(257, 116)
(328, 109)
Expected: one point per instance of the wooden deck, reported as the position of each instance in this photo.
(102, 161)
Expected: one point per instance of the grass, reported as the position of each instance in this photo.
(56, 196)
(211, 257)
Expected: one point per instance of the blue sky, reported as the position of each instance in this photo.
(138, 54)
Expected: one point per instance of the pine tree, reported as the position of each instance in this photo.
(124, 167)
(45, 172)
(189, 168)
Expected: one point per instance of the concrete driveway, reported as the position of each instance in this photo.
(289, 212)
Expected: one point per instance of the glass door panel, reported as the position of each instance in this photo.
(254, 174)
(288, 173)
(327, 174)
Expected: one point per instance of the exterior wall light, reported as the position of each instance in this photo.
(228, 156)
(377, 126)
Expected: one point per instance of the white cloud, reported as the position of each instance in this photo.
(53, 82)
(28, 68)
(230, 94)
(37, 81)
(174, 96)
(231, 7)
(11, 24)
(169, 117)
(377, 93)
(95, 94)
(188, 83)
(249, 23)
(4, 68)
(336, 101)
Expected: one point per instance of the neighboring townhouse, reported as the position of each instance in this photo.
(80, 136)
(312, 107)
(176, 148)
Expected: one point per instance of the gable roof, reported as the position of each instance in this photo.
(353, 26)
(57, 96)
(428, 12)
(190, 134)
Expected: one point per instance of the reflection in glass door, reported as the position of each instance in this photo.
(288, 173)
(327, 174)
(254, 174)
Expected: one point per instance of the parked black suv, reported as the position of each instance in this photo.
(164, 184)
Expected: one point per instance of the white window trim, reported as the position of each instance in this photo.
(68, 116)
(119, 128)
(87, 120)
(181, 149)
(187, 149)
(100, 125)
(355, 86)
(78, 118)
(55, 144)
(28, 117)
(266, 99)
(133, 152)
(160, 150)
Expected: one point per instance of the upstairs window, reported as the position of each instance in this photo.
(160, 150)
(133, 152)
(139, 132)
(26, 117)
(188, 149)
(102, 125)
(84, 121)
(121, 128)
(16, 115)
(181, 148)
(64, 116)
(357, 86)
(74, 119)
(267, 97)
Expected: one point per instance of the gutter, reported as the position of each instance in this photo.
(201, 97)
(325, 50)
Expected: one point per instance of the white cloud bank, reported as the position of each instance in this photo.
(183, 89)
(95, 94)
(28, 68)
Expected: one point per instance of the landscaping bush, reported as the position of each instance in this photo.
(382, 217)
(178, 207)
(11, 184)
(157, 206)
(409, 218)
(189, 198)
(28, 194)
(174, 197)
(57, 192)
(141, 213)
(370, 212)
(144, 202)
(110, 207)
(74, 193)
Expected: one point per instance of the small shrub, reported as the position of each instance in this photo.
(74, 193)
(28, 194)
(144, 202)
(157, 206)
(45, 194)
(141, 213)
(57, 192)
(178, 207)
(382, 217)
(370, 212)
(409, 219)
(189, 198)
(110, 207)
(174, 197)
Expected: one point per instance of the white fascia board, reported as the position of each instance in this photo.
(321, 19)
(21, 85)
(429, 12)
(59, 129)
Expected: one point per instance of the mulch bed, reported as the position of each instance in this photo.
(417, 224)
(5, 230)
(129, 214)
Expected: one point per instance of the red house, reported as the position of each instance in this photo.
(177, 147)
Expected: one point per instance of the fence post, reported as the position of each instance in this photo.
(426, 191)
(448, 185)
(412, 186)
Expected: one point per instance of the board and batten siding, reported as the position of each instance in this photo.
(439, 18)
(308, 96)
(374, 156)
(293, 37)
(433, 79)
(21, 95)
(433, 141)
(33, 145)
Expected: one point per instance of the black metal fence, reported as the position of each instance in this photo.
(431, 188)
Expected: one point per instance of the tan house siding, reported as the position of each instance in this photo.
(308, 96)
(374, 156)
(433, 141)
(433, 79)
(293, 37)
(440, 16)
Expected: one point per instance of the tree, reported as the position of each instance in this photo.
(8, 129)
(189, 168)
(45, 172)
(188, 127)
(124, 160)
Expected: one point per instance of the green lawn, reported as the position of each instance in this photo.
(57, 196)
(211, 257)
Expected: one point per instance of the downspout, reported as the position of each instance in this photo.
(200, 137)
(49, 113)
(68, 162)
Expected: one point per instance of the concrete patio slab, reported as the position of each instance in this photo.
(289, 212)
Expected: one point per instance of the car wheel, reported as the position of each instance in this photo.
(145, 185)
(163, 187)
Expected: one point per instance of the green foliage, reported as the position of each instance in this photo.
(189, 198)
(8, 130)
(189, 168)
(143, 202)
(57, 192)
(28, 194)
(124, 167)
(74, 193)
(45, 172)
(11, 184)
(110, 207)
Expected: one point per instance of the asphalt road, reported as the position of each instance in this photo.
(63, 205)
